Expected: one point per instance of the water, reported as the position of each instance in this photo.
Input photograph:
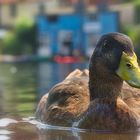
(21, 87)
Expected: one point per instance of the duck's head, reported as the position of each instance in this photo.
(114, 55)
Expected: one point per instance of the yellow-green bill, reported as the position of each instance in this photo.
(129, 70)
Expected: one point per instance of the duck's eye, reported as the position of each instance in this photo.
(129, 65)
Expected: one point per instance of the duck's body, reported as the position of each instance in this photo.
(104, 114)
(98, 100)
(64, 108)
(66, 101)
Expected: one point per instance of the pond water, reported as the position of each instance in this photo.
(21, 87)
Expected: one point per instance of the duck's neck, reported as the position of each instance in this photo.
(104, 86)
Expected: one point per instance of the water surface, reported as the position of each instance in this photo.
(21, 87)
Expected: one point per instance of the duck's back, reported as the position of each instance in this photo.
(66, 101)
(131, 97)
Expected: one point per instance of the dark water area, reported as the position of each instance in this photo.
(21, 87)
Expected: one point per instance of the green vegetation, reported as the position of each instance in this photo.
(21, 39)
(137, 11)
(11, 44)
(133, 31)
(133, 1)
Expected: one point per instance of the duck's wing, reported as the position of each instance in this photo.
(66, 100)
(78, 73)
(131, 96)
(41, 108)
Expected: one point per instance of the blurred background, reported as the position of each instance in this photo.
(41, 41)
(44, 29)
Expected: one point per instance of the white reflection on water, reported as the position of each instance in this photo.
(4, 134)
(6, 121)
(27, 127)
(3, 137)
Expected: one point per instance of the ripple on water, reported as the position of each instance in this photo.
(30, 128)
(3, 137)
(5, 134)
(6, 121)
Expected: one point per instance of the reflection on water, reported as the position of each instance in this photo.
(65, 135)
(50, 74)
(17, 89)
(21, 87)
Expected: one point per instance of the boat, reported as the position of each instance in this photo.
(67, 59)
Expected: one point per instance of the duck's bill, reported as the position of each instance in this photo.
(129, 70)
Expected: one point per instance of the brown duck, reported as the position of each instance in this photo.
(98, 98)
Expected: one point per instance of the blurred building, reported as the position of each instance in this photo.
(75, 33)
(59, 28)
(11, 9)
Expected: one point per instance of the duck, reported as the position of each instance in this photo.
(104, 97)
(66, 101)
